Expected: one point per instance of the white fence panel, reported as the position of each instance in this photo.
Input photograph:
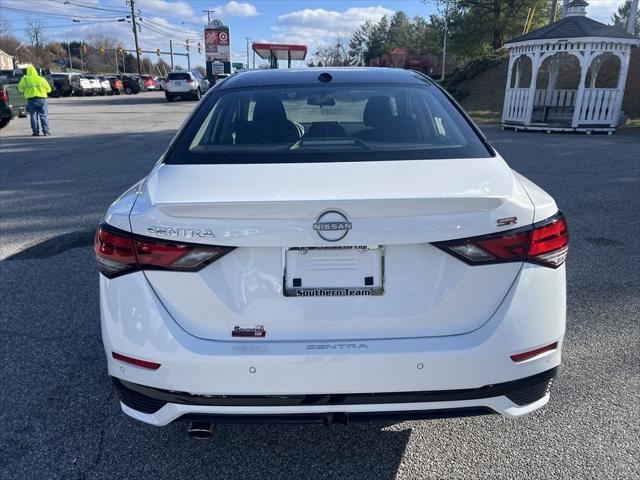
(555, 98)
(515, 104)
(598, 106)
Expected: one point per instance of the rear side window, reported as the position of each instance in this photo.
(326, 124)
(179, 76)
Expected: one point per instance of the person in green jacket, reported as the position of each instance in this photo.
(35, 89)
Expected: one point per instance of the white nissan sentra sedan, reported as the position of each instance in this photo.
(331, 245)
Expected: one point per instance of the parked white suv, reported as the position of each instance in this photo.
(185, 84)
(331, 245)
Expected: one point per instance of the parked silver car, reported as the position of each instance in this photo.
(185, 84)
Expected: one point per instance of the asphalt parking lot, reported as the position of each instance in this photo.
(58, 412)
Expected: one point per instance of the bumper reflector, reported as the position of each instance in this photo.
(135, 361)
(521, 357)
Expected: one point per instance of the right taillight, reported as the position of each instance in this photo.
(4, 95)
(545, 243)
(119, 252)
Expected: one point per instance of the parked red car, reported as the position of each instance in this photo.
(149, 82)
(116, 85)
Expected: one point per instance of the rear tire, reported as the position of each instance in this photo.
(128, 90)
(4, 122)
(168, 97)
(197, 95)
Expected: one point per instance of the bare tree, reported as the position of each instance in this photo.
(336, 54)
(34, 32)
(5, 26)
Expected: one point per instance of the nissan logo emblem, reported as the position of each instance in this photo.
(332, 226)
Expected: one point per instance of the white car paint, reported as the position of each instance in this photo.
(87, 86)
(440, 324)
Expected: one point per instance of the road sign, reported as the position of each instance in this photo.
(217, 68)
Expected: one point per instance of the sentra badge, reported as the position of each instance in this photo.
(332, 226)
(180, 232)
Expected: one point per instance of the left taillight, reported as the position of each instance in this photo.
(119, 252)
(4, 95)
(545, 243)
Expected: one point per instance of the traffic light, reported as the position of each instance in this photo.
(84, 49)
(101, 50)
(139, 51)
(121, 50)
(199, 45)
(186, 44)
(158, 51)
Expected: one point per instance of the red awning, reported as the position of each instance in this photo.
(280, 50)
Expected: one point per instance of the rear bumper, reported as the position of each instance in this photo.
(467, 371)
(180, 91)
(160, 406)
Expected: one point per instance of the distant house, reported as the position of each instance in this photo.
(6, 61)
(399, 58)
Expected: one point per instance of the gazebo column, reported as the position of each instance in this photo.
(553, 79)
(535, 65)
(585, 61)
(622, 80)
(506, 105)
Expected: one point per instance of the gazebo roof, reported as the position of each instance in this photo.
(572, 27)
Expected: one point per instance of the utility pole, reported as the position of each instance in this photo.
(444, 43)
(135, 32)
(69, 50)
(81, 59)
(115, 55)
(633, 13)
(208, 12)
(171, 52)
(188, 61)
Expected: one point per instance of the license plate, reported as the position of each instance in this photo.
(178, 84)
(333, 271)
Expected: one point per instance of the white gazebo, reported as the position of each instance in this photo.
(567, 76)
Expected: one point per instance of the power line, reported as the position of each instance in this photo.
(19, 10)
(167, 27)
(69, 25)
(76, 3)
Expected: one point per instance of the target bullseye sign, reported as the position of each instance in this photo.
(217, 42)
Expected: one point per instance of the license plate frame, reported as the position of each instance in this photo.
(372, 266)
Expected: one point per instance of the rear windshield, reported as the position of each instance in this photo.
(179, 76)
(326, 124)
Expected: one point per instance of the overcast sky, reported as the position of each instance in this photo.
(308, 22)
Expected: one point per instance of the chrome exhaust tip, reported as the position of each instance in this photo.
(200, 430)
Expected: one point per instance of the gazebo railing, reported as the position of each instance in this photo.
(555, 98)
(599, 106)
(515, 104)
